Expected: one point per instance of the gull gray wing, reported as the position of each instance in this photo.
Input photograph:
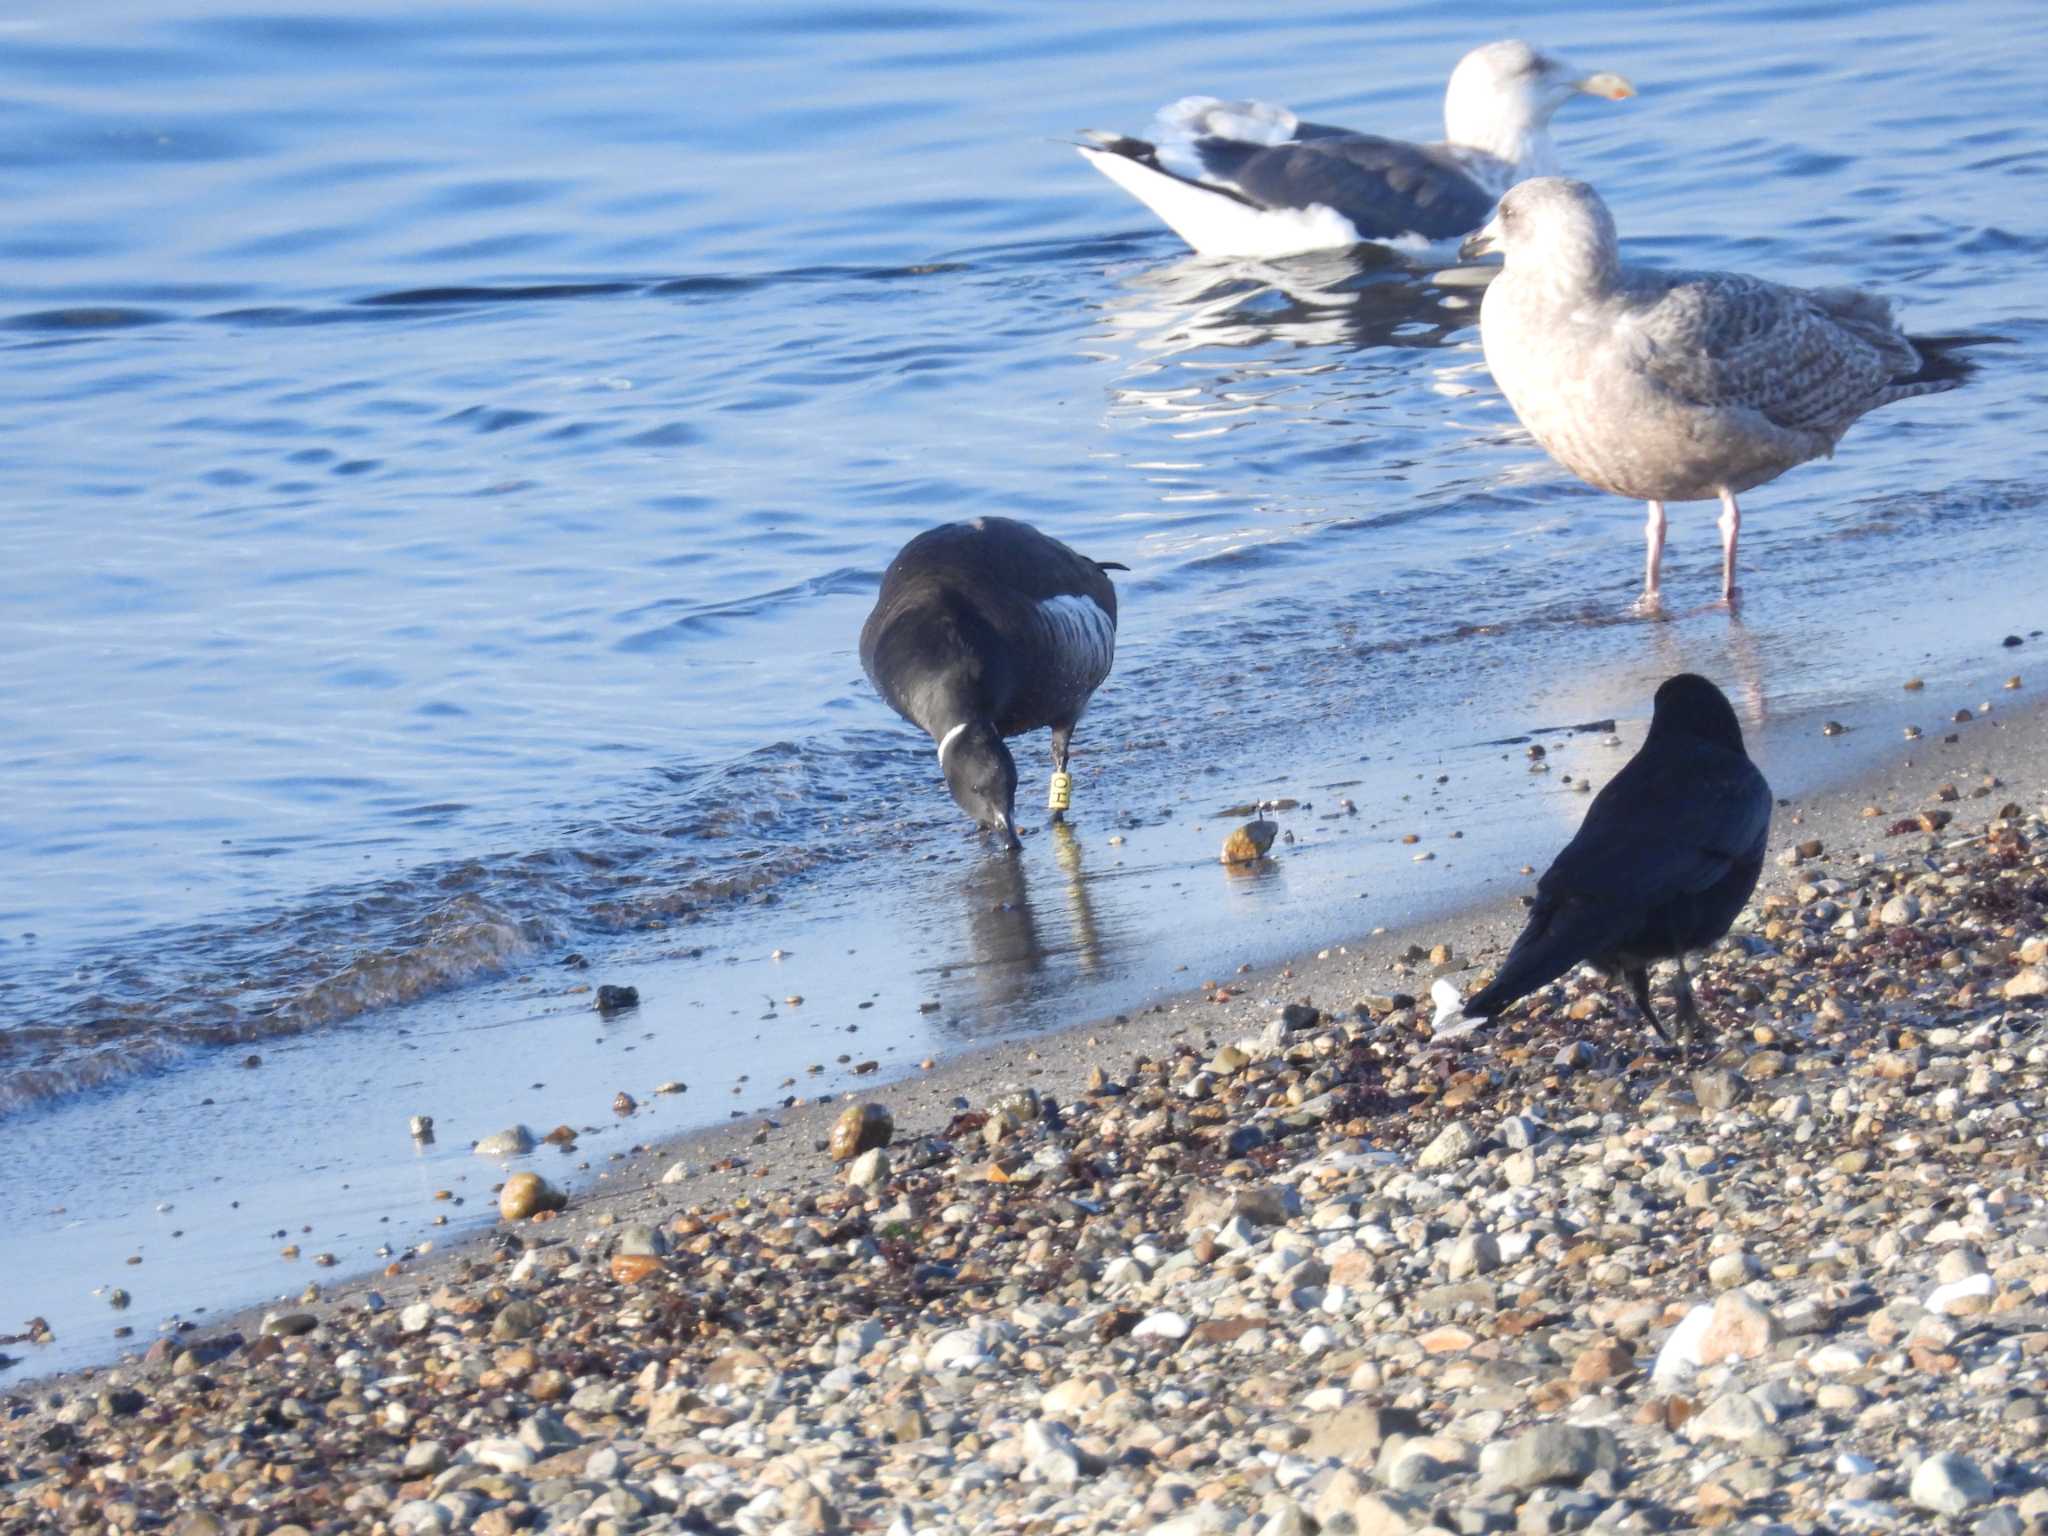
(1808, 361)
(1386, 187)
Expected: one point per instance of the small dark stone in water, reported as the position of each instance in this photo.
(1833, 728)
(2011, 641)
(252, 1061)
(611, 999)
(575, 962)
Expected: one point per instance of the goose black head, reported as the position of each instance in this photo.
(1688, 703)
(983, 777)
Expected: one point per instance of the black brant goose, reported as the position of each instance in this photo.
(1668, 853)
(987, 629)
(1247, 178)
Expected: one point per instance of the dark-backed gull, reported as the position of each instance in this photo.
(1246, 178)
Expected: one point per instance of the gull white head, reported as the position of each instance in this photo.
(1554, 229)
(1502, 96)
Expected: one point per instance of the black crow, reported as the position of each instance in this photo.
(1669, 851)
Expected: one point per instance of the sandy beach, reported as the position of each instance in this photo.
(1259, 1257)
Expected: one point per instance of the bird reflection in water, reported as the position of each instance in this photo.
(1010, 950)
(1358, 299)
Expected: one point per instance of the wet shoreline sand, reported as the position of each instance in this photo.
(332, 1397)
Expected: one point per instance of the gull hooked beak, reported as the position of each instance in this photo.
(1484, 241)
(1606, 83)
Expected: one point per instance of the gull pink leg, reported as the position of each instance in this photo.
(1731, 530)
(1653, 558)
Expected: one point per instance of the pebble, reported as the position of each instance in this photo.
(1294, 1266)
(1549, 1453)
(860, 1128)
(526, 1194)
(1949, 1484)
(513, 1141)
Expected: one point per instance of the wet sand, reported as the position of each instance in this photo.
(779, 1148)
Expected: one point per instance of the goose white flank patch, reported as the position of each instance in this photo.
(984, 630)
(1248, 178)
(1681, 386)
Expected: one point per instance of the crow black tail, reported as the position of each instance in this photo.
(1555, 940)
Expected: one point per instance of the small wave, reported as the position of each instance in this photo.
(109, 317)
(464, 940)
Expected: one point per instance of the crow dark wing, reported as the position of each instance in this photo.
(1675, 821)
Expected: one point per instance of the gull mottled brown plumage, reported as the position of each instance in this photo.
(1681, 386)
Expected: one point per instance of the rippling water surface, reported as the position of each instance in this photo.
(446, 454)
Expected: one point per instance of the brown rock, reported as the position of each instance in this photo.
(1248, 844)
(632, 1268)
(1741, 1328)
(1603, 1362)
(859, 1128)
(528, 1194)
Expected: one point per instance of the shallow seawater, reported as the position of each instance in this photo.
(445, 459)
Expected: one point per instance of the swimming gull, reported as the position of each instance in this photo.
(1681, 386)
(1247, 178)
(987, 629)
(1669, 851)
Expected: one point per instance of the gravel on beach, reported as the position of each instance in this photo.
(1298, 1271)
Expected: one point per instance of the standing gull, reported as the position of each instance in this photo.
(1681, 386)
(1669, 851)
(987, 629)
(1247, 178)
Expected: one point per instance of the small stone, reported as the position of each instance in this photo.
(501, 1454)
(526, 1194)
(514, 1141)
(1728, 1270)
(1899, 912)
(1549, 1453)
(1355, 1432)
(615, 999)
(1476, 1253)
(1452, 1144)
(2032, 982)
(869, 1171)
(1718, 1090)
(1248, 844)
(517, 1319)
(1738, 1328)
(860, 1128)
(1603, 1362)
(1162, 1325)
(1680, 1355)
(1949, 1484)
(1732, 1416)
